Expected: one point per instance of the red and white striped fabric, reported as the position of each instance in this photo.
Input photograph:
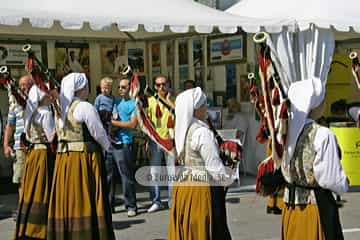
(145, 124)
(274, 107)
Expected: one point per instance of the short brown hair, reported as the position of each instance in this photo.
(159, 76)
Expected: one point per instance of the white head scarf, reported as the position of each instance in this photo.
(354, 112)
(69, 85)
(186, 103)
(34, 97)
(304, 96)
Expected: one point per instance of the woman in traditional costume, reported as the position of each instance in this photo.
(311, 168)
(34, 195)
(78, 207)
(198, 210)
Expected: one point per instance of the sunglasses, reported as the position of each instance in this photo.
(160, 84)
(123, 87)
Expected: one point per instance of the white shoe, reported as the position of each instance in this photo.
(131, 213)
(155, 207)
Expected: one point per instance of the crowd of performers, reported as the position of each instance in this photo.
(69, 151)
(65, 188)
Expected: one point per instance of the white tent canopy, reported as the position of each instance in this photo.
(179, 15)
(275, 14)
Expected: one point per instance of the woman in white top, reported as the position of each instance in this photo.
(198, 210)
(78, 208)
(311, 168)
(34, 195)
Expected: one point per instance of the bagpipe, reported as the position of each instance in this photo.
(272, 105)
(355, 67)
(230, 151)
(146, 126)
(9, 83)
(42, 77)
(44, 80)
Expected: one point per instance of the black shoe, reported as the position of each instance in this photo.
(268, 210)
(273, 210)
(276, 211)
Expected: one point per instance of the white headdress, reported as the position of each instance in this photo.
(354, 112)
(186, 103)
(69, 85)
(304, 96)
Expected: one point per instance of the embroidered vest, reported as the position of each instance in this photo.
(36, 134)
(301, 171)
(75, 136)
(192, 161)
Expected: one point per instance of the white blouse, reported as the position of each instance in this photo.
(204, 142)
(44, 118)
(85, 112)
(328, 171)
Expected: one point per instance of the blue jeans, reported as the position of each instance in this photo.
(122, 159)
(156, 156)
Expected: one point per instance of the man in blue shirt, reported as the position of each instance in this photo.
(124, 115)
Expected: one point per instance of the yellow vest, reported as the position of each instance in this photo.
(160, 124)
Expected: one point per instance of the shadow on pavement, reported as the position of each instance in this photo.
(118, 225)
(7, 187)
(5, 214)
(233, 200)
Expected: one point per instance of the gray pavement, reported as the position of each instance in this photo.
(246, 216)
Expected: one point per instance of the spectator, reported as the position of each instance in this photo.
(159, 116)
(15, 122)
(124, 122)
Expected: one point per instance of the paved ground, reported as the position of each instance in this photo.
(246, 215)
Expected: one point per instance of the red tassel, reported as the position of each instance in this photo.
(276, 97)
(266, 166)
(170, 122)
(284, 111)
(261, 136)
(158, 111)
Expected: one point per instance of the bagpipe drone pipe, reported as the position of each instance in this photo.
(272, 106)
(42, 77)
(355, 67)
(9, 83)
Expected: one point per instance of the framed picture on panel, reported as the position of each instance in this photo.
(215, 116)
(72, 57)
(227, 48)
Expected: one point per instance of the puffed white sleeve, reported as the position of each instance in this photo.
(48, 124)
(204, 142)
(85, 112)
(327, 166)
